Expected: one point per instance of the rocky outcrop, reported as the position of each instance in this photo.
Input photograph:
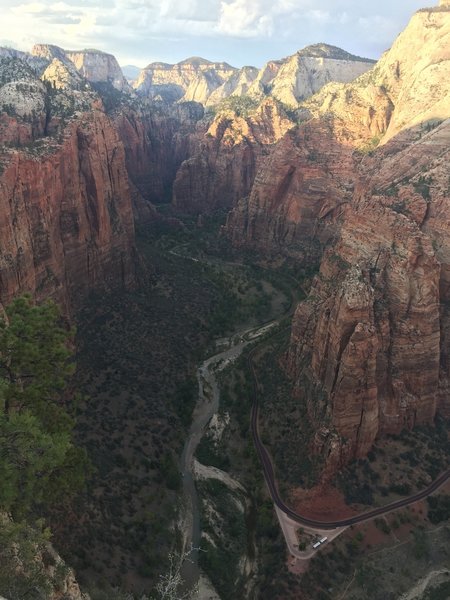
(66, 219)
(31, 562)
(369, 350)
(238, 84)
(403, 90)
(99, 67)
(61, 74)
(367, 347)
(92, 65)
(298, 192)
(193, 79)
(36, 63)
(289, 80)
(224, 167)
(156, 143)
(301, 75)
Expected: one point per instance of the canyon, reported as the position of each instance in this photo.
(331, 165)
(368, 346)
(354, 178)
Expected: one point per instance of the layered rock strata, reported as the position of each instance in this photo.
(66, 224)
(369, 348)
(193, 79)
(223, 168)
(369, 351)
(66, 220)
(156, 143)
(289, 80)
(298, 193)
(301, 75)
(92, 66)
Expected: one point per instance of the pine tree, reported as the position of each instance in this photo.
(38, 461)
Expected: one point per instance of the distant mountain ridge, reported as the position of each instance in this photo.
(328, 51)
(290, 80)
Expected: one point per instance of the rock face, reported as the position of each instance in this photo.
(98, 67)
(66, 223)
(403, 90)
(238, 84)
(289, 80)
(62, 75)
(41, 563)
(297, 194)
(228, 156)
(192, 79)
(301, 75)
(91, 65)
(369, 350)
(156, 143)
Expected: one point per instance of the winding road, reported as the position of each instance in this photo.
(269, 475)
(208, 404)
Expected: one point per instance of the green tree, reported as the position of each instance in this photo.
(38, 462)
(34, 360)
(21, 575)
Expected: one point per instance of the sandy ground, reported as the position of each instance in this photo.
(204, 472)
(434, 578)
(206, 590)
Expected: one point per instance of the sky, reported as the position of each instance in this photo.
(241, 32)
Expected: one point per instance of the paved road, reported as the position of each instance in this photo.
(265, 458)
(269, 475)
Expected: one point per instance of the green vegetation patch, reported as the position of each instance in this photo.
(398, 465)
(284, 423)
(438, 508)
(223, 521)
(40, 467)
(242, 106)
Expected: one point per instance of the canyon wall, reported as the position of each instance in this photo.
(227, 157)
(357, 174)
(297, 195)
(365, 181)
(66, 220)
(157, 140)
(289, 80)
(369, 348)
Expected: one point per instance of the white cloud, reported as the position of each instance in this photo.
(190, 10)
(246, 18)
(243, 29)
(320, 16)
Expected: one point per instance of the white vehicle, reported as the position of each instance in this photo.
(316, 545)
(323, 540)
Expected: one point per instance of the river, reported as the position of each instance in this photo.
(207, 405)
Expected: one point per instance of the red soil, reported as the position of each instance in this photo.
(323, 503)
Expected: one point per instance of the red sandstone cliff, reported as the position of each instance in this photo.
(157, 140)
(298, 192)
(223, 168)
(66, 222)
(369, 350)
